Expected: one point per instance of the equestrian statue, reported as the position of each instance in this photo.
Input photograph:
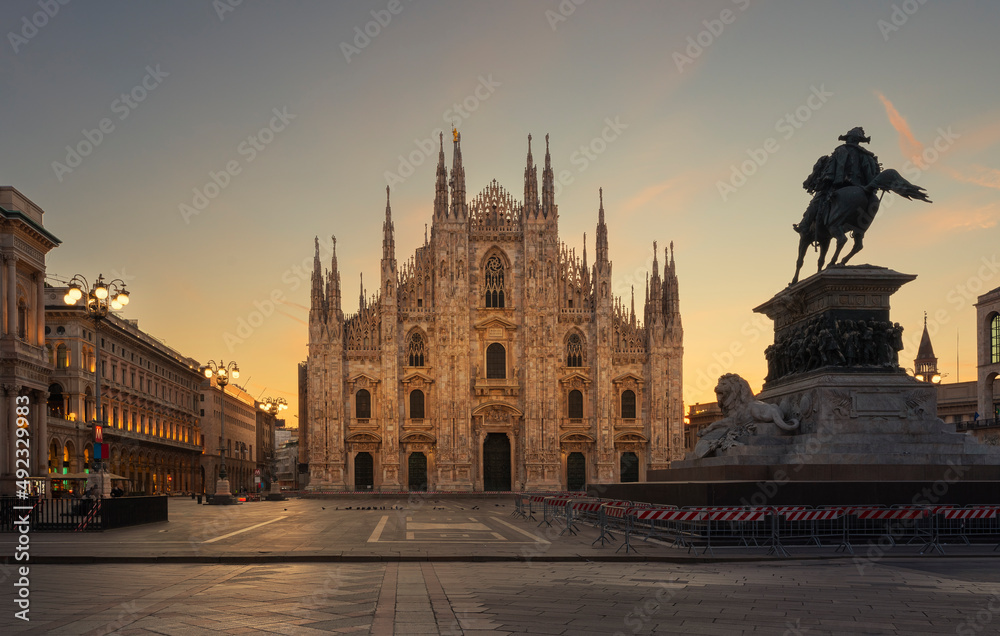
(847, 188)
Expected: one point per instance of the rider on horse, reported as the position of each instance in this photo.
(850, 164)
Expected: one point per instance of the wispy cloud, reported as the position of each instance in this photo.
(941, 222)
(670, 194)
(976, 174)
(908, 144)
(979, 134)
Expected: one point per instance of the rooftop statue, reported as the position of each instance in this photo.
(847, 188)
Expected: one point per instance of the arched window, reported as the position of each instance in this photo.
(995, 339)
(575, 403)
(363, 404)
(62, 357)
(417, 404)
(574, 351)
(55, 401)
(496, 361)
(415, 350)
(628, 405)
(50, 353)
(494, 283)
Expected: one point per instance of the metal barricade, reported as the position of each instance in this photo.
(577, 510)
(975, 523)
(879, 523)
(804, 527)
(680, 527)
(729, 526)
(519, 506)
(550, 506)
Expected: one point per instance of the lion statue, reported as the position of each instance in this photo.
(741, 413)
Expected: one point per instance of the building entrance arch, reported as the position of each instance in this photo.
(416, 478)
(364, 471)
(496, 462)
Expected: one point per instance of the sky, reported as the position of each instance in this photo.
(196, 148)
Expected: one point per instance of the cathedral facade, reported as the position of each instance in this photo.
(493, 358)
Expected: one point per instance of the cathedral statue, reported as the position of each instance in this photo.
(847, 188)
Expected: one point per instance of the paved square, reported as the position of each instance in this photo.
(407, 567)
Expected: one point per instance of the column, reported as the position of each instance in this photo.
(10, 428)
(40, 309)
(40, 436)
(3, 299)
(11, 263)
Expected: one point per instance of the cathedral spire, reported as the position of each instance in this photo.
(388, 232)
(671, 295)
(654, 292)
(602, 233)
(361, 299)
(632, 313)
(316, 299)
(441, 186)
(457, 177)
(548, 184)
(333, 280)
(530, 186)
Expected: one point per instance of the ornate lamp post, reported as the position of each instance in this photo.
(100, 298)
(273, 407)
(222, 373)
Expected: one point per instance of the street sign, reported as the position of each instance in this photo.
(256, 472)
(98, 434)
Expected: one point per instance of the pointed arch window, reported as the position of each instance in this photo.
(415, 350)
(628, 404)
(575, 404)
(496, 361)
(363, 404)
(494, 283)
(574, 351)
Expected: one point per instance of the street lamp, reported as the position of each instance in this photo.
(100, 298)
(222, 373)
(273, 407)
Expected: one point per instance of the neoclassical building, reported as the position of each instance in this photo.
(493, 358)
(24, 367)
(150, 394)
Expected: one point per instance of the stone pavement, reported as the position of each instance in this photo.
(304, 567)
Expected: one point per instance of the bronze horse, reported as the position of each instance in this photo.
(853, 209)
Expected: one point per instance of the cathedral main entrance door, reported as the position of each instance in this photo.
(576, 471)
(417, 477)
(629, 467)
(364, 471)
(496, 462)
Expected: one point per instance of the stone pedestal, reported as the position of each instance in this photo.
(275, 493)
(833, 369)
(223, 496)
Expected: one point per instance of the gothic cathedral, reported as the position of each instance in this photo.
(493, 359)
